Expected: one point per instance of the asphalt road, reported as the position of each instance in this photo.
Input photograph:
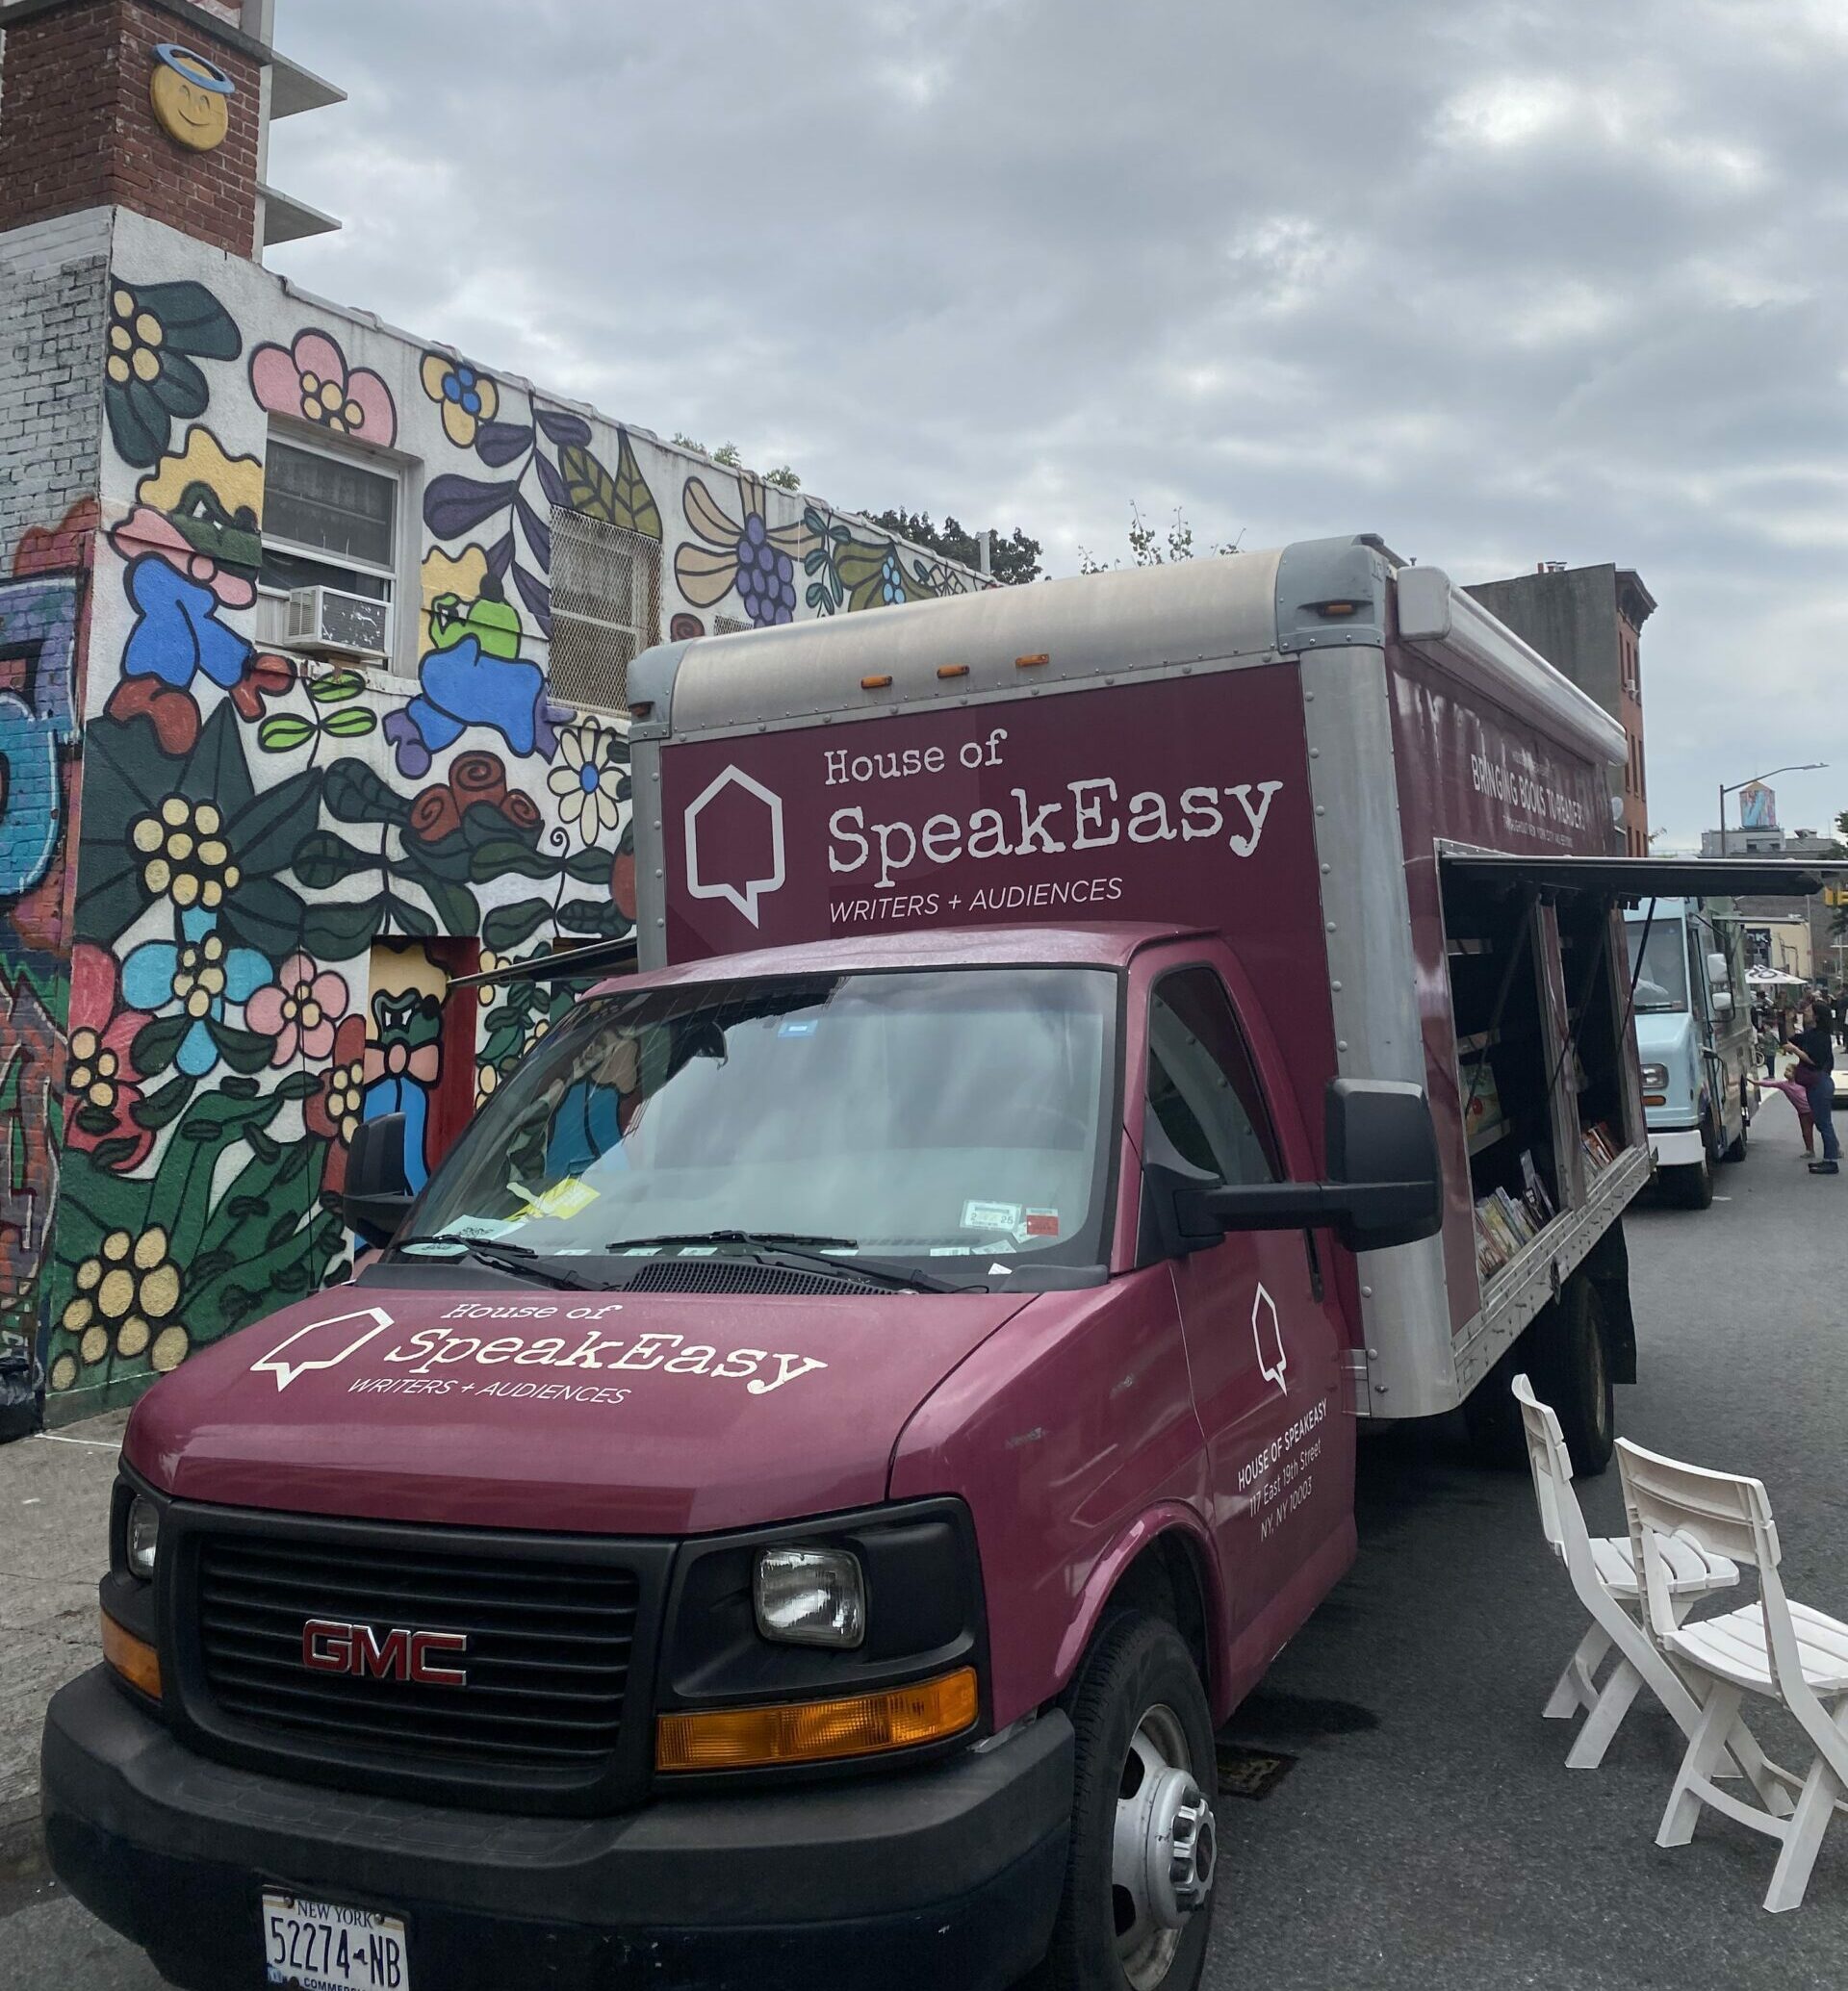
(1428, 1833)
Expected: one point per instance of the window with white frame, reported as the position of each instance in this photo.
(327, 522)
(606, 607)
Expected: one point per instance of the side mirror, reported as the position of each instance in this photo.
(1722, 1003)
(378, 1192)
(1386, 1183)
(1718, 973)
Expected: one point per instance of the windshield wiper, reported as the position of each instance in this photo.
(767, 1247)
(506, 1256)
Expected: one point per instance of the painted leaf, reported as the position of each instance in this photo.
(168, 1103)
(402, 917)
(337, 932)
(633, 494)
(508, 927)
(501, 557)
(337, 689)
(499, 443)
(284, 732)
(560, 427)
(322, 860)
(600, 916)
(190, 318)
(263, 833)
(506, 856)
(623, 499)
(157, 1043)
(243, 1050)
(116, 1153)
(538, 532)
(216, 770)
(549, 481)
(537, 597)
(589, 867)
(356, 794)
(265, 915)
(297, 1086)
(354, 723)
(94, 1119)
(455, 505)
(456, 907)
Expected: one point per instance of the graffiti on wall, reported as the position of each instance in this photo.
(282, 862)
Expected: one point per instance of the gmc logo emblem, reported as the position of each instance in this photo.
(331, 1646)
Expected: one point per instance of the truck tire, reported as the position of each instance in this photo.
(1690, 1188)
(1137, 1903)
(1572, 1374)
(1493, 1417)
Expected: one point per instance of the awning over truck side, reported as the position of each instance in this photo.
(1636, 879)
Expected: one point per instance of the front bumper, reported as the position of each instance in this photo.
(949, 1875)
(1680, 1149)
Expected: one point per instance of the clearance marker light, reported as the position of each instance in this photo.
(875, 683)
(1028, 663)
(952, 669)
(135, 1659)
(818, 1732)
(1340, 607)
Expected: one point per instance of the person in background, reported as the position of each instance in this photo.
(1815, 1072)
(1768, 1043)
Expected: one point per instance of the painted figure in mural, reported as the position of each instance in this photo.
(474, 675)
(403, 1064)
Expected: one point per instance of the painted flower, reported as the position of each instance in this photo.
(156, 331)
(589, 779)
(127, 1295)
(311, 381)
(334, 1111)
(750, 555)
(468, 399)
(101, 1084)
(201, 975)
(301, 1009)
(183, 854)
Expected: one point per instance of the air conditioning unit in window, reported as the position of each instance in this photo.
(325, 621)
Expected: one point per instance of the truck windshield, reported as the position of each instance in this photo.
(1663, 983)
(906, 1117)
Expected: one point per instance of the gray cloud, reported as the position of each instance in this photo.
(1507, 282)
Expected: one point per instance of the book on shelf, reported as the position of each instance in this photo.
(1483, 1116)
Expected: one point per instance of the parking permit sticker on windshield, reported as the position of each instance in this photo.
(991, 1216)
(562, 1200)
(1040, 1223)
(797, 1026)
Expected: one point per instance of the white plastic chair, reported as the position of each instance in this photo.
(1603, 1575)
(1781, 1651)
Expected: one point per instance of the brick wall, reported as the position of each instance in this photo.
(77, 129)
(53, 287)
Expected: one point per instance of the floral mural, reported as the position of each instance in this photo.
(282, 860)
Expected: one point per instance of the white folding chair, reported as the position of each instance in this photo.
(1603, 1575)
(1781, 1651)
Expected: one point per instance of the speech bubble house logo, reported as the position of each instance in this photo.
(1268, 1333)
(700, 880)
(328, 1357)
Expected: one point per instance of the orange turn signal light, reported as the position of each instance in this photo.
(1339, 608)
(1026, 663)
(952, 669)
(1654, 1099)
(875, 682)
(135, 1659)
(819, 1731)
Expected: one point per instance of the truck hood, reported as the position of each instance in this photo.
(509, 1407)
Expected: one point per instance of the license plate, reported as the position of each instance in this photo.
(321, 1946)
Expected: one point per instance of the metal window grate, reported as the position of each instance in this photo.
(729, 625)
(606, 607)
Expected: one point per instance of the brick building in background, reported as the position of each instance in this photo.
(1587, 622)
(314, 640)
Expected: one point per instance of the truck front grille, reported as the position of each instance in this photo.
(545, 1664)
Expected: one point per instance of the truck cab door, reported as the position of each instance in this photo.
(1263, 1348)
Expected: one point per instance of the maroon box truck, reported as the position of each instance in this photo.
(873, 1391)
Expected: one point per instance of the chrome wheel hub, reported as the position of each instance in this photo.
(1163, 1850)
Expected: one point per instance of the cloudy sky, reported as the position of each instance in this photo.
(1502, 281)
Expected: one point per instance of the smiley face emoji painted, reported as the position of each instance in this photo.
(190, 97)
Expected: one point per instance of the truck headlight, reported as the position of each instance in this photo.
(1654, 1078)
(810, 1596)
(142, 1537)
